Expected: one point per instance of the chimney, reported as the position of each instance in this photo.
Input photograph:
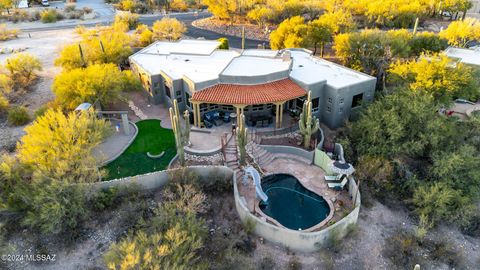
(287, 56)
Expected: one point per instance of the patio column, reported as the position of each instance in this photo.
(239, 109)
(199, 116)
(279, 114)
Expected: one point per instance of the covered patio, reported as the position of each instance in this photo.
(257, 102)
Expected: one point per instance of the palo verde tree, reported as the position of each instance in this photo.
(104, 83)
(22, 70)
(462, 33)
(182, 134)
(242, 133)
(290, 33)
(168, 29)
(308, 124)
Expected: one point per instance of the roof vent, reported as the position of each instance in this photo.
(300, 66)
(187, 60)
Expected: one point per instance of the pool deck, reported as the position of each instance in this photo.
(311, 177)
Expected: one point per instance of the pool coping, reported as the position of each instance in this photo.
(310, 229)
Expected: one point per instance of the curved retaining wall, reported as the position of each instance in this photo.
(290, 150)
(297, 240)
(156, 180)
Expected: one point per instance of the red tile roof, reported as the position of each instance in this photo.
(281, 90)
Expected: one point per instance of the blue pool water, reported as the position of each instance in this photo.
(291, 204)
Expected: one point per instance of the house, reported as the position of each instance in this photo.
(255, 82)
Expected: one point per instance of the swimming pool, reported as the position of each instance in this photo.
(291, 204)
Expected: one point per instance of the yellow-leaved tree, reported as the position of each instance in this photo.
(461, 33)
(98, 46)
(103, 83)
(291, 33)
(22, 69)
(438, 76)
(168, 29)
(60, 146)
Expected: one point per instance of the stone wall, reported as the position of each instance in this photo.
(297, 240)
(290, 150)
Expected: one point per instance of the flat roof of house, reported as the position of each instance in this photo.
(201, 61)
(184, 46)
(310, 70)
(467, 56)
(271, 92)
(195, 65)
(255, 66)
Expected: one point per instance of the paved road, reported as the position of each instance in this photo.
(106, 17)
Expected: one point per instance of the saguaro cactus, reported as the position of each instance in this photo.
(242, 132)
(308, 124)
(182, 134)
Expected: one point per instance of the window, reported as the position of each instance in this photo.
(357, 100)
(329, 109)
(179, 93)
(340, 110)
(300, 103)
(315, 103)
(341, 101)
(156, 84)
(258, 107)
(329, 100)
(187, 97)
(167, 91)
(179, 100)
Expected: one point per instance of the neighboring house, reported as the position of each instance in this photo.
(467, 56)
(256, 82)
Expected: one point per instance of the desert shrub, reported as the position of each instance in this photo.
(223, 44)
(128, 18)
(41, 110)
(249, 226)
(6, 34)
(104, 198)
(183, 176)
(3, 105)
(267, 263)
(69, 7)
(87, 10)
(22, 69)
(19, 15)
(76, 14)
(402, 249)
(294, 264)
(18, 116)
(50, 16)
(442, 251)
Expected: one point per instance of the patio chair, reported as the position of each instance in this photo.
(332, 177)
(338, 186)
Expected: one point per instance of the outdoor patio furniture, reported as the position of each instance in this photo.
(217, 122)
(338, 186)
(332, 177)
(212, 115)
(226, 117)
(208, 124)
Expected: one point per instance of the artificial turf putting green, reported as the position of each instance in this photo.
(151, 138)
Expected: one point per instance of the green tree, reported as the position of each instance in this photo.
(59, 146)
(289, 34)
(319, 34)
(168, 29)
(425, 42)
(438, 76)
(405, 123)
(103, 83)
(462, 33)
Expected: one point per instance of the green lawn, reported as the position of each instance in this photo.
(151, 138)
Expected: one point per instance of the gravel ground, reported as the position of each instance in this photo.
(46, 46)
(252, 31)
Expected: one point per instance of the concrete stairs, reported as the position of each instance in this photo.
(261, 156)
(231, 158)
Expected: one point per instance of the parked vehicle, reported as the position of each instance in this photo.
(45, 3)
